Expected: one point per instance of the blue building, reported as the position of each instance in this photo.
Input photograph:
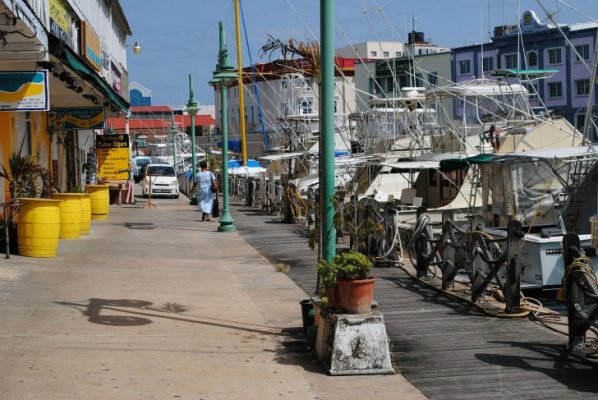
(566, 52)
(140, 95)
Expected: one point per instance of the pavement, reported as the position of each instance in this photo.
(156, 304)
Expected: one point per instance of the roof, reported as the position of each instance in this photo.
(150, 109)
(152, 123)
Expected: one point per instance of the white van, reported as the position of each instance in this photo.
(162, 179)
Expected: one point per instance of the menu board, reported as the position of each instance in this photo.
(113, 156)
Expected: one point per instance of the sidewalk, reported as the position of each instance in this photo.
(155, 304)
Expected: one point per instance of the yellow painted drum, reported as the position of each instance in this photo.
(38, 227)
(85, 214)
(70, 214)
(100, 200)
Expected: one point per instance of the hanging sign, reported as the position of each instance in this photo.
(61, 22)
(91, 46)
(24, 91)
(113, 156)
(77, 118)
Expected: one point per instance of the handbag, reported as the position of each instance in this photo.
(214, 183)
(215, 211)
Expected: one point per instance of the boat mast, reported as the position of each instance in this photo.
(241, 91)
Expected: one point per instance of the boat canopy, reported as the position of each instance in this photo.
(479, 87)
(534, 73)
(563, 154)
(413, 164)
(282, 156)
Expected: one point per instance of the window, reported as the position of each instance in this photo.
(532, 59)
(464, 67)
(511, 61)
(555, 89)
(374, 53)
(580, 120)
(582, 87)
(306, 105)
(584, 52)
(554, 56)
(398, 54)
(487, 64)
(433, 79)
(386, 54)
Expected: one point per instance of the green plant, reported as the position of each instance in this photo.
(26, 178)
(328, 272)
(353, 265)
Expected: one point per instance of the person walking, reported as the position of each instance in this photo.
(206, 182)
(130, 196)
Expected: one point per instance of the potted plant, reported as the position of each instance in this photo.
(27, 180)
(355, 285)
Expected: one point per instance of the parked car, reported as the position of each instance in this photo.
(163, 181)
(140, 163)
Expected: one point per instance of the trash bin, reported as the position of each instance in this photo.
(307, 313)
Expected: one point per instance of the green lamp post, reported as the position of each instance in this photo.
(192, 108)
(173, 132)
(224, 76)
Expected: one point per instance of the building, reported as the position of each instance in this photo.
(372, 50)
(150, 126)
(280, 91)
(140, 95)
(566, 51)
(72, 57)
(424, 65)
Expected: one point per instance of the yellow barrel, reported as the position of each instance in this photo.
(38, 227)
(85, 214)
(100, 200)
(70, 214)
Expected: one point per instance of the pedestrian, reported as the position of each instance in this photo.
(206, 184)
(130, 197)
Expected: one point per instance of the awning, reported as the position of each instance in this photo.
(73, 62)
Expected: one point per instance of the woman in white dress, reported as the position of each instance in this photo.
(205, 192)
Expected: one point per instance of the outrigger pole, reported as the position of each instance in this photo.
(241, 91)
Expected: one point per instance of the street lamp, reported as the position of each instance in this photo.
(192, 109)
(223, 78)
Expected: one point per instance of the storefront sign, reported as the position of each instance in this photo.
(91, 46)
(77, 118)
(61, 22)
(24, 91)
(113, 156)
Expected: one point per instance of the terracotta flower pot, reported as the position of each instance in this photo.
(356, 295)
(333, 297)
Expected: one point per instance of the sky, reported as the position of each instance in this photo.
(180, 37)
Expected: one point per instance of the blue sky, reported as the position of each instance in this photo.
(179, 37)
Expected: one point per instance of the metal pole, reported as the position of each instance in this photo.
(173, 136)
(226, 221)
(327, 182)
(241, 89)
(192, 110)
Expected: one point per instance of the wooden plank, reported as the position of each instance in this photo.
(446, 347)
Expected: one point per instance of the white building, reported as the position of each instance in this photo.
(372, 50)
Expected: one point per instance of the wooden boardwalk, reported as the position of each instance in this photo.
(446, 348)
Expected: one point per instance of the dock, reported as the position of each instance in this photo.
(447, 348)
